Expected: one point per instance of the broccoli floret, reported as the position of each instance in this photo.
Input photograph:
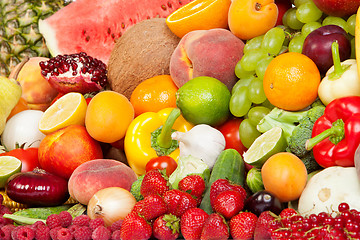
(297, 126)
(310, 163)
(135, 188)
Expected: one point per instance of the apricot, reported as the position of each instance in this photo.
(36, 90)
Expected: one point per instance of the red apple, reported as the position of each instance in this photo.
(283, 6)
(62, 151)
(338, 8)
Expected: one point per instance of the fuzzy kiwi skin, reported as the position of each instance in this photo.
(142, 52)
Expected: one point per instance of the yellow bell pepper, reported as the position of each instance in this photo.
(139, 143)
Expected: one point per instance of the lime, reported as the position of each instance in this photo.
(264, 146)
(8, 166)
(204, 100)
(68, 110)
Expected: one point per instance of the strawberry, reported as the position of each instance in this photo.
(151, 207)
(192, 223)
(221, 185)
(215, 227)
(264, 225)
(242, 225)
(228, 203)
(134, 221)
(166, 227)
(193, 184)
(178, 201)
(154, 182)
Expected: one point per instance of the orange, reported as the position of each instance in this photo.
(20, 106)
(199, 15)
(285, 175)
(291, 81)
(108, 116)
(252, 18)
(154, 94)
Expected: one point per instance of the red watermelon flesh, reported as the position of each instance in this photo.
(92, 26)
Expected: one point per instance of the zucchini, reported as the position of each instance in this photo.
(229, 165)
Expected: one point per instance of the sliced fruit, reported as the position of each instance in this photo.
(93, 26)
(266, 145)
(9, 165)
(68, 110)
(199, 15)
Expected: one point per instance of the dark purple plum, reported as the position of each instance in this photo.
(263, 201)
(317, 46)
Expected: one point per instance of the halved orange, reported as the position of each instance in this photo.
(199, 15)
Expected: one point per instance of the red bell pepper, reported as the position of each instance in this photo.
(336, 134)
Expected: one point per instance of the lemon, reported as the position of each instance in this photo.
(204, 100)
(68, 110)
(199, 15)
(266, 145)
(8, 166)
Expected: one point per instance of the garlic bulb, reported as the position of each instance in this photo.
(202, 141)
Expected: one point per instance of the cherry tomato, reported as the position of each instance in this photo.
(28, 158)
(162, 162)
(230, 130)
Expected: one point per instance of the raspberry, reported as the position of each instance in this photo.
(116, 225)
(4, 209)
(5, 231)
(5, 221)
(94, 223)
(66, 218)
(23, 233)
(64, 234)
(116, 235)
(37, 224)
(53, 221)
(42, 233)
(83, 233)
(101, 233)
(53, 233)
(73, 228)
(1, 199)
(82, 220)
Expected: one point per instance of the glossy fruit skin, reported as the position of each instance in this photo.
(338, 8)
(162, 162)
(283, 6)
(178, 202)
(262, 201)
(193, 184)
(317, 46)
(251, 18)
(28, 157)
(242, 225)
(192, 222)
(229, 203)
(37, 188)
(154, 182)
(65, 149)
(230, 130)
(215, 227)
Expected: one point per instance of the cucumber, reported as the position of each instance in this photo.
(229, 165)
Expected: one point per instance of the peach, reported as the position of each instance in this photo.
(213, 53)
(98, 174)
(36, 90)
(62, 151)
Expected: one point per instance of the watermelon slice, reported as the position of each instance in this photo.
(92, 26)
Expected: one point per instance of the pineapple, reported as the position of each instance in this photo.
(19, 34)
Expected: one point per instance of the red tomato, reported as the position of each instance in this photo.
(162, 162)
(28, 158)
(230, 130)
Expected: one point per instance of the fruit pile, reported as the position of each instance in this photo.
(187, 119)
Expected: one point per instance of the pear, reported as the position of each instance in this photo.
(10, 93)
